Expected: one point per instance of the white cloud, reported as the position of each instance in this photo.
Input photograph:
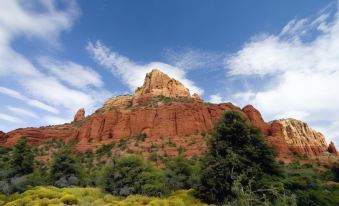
(43, 106)
(41, 19)
(216, 98)
(191, 59)
(132, 73)
(64, 85)
(300, 68)
(72, 73)
(12, 93)
(53, 120)
(31, 102)
(22, 112)
(9, 118)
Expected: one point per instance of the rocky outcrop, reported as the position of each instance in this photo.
(301, 138)
(158, 83)
(164, 109)
(332, 149)
(80, 115)
(118, 102)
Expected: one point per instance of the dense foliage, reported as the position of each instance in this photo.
(65, 169)
(131, 175)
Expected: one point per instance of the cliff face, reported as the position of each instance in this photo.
(164, 110)
(301, 138)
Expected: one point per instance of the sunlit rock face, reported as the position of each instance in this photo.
(302, 138)
(158, 83)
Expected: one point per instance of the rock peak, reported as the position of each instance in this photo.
(80, 115)
(157, 83)
(332, 149)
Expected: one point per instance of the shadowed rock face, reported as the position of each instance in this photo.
(332, 149)
(163, 107)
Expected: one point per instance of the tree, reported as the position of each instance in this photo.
(65, 168)
(236, 153)
(22, 162)
(130, 175)
(178, 173)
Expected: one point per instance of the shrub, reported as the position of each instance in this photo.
(178, 173)
(69, 200)
(131, 175)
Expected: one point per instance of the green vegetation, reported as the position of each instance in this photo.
(65, 169)
(237, 154)
(131, 175)
(22, 160)
(238, 170)
(154, 101)
(94, 197)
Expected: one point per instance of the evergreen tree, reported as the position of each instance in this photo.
(65, 168)
(237, 153)
(22, 162)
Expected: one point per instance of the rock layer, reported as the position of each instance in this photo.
(301, 138)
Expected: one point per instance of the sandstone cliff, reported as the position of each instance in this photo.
(172, 119)
(301, 138)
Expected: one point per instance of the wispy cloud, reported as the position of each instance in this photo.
(193, 59)
(31, 102)
(303, 62)
(131, 73)
(22, 112)
(74, 74)
(10, 118)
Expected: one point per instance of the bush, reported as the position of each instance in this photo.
(179, 173)
(131, 175)
(69, 200)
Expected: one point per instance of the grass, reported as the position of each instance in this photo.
(94, 197)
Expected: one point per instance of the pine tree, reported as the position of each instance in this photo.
(22, 162)
(65, 168)
(237, 152)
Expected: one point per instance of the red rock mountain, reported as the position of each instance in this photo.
(173, 120)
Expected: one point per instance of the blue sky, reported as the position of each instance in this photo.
(281, 56)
